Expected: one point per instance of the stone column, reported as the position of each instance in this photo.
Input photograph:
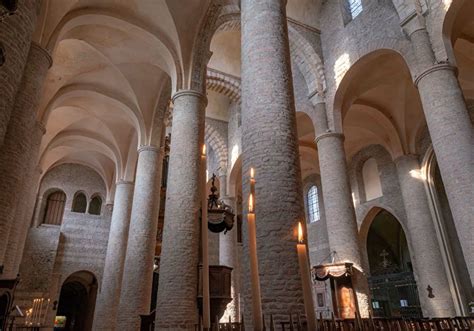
(105, 317)
(16, 32)
(338, 205)
(14, 154)
(339, 209)
(38, 207)
(270, 145)
(451, 135)
(25, 205)
(137, 281)
(177, 292)
(425, 252)
(228, 255)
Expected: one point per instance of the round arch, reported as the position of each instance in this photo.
(77, 300)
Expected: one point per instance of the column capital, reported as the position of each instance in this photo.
(148, 148)
(317, 97)
(434, 68)
(43, 51)
(328, 135)
(192, 93)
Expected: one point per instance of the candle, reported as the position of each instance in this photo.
(255, 279)
(35, 310)
(306, 280)
(40, 311)
(206, 304)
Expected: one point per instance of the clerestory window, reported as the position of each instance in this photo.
(351, 9)
(313, 204)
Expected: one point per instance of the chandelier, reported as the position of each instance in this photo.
(220, 215)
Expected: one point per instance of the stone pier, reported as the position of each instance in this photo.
(425, 251)
(270, 145)
(106, 311)
(16, 150)
(177, 291)
(137, 280)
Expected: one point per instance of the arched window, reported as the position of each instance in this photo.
(55, 208)
(95, 205)
(313, 204)
(79, 204)
(351, 9)
(371, 178)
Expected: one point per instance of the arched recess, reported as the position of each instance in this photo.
(379, 106)
(450, 248)
(79, 203)
(391, 279)
(223, 83)
(55, 204)
(218, 144)
(458, 37)
(77, 301)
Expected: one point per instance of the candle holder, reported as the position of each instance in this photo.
(220, 215)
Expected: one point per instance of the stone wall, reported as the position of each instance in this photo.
(54, 252)
(376, 27)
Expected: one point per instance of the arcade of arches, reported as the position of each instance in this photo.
(355, 115)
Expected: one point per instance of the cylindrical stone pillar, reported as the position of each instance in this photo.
(106, 309)
(25, 205)
(451, 134)
(137, 280)
(339, 210)
(177, 292)
(14, 154)
(425, 252)
(270, 145)
(16, 32)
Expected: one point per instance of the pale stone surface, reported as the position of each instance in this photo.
(105, 317)
(135, 296)
(425, 252)
(15, 152)
(100, 103)
(180, 248)
(270, 146)
(341, 222)
(15, 36)
(452, 137)
(25, 205)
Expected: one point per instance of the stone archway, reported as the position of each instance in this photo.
(391, 282)
(77, 301)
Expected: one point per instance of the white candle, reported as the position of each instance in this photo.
(40, 311)
(206, 302)
(254, 276)
(306, 280)
(35, 310)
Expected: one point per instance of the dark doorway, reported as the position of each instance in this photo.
(77, 302)
(392, 283)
